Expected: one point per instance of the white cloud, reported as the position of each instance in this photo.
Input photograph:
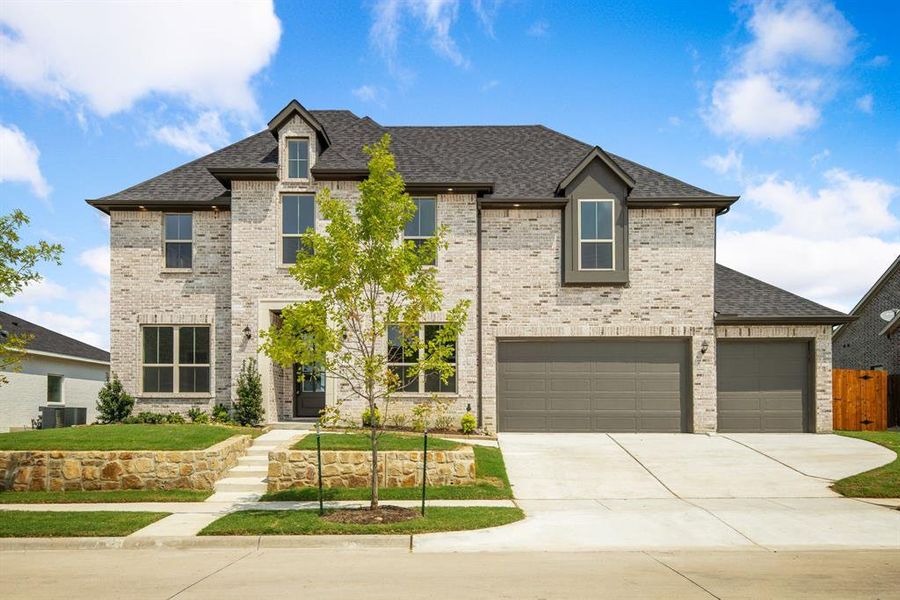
(775, 87)
(197, 138)
(539, 28)
(489, 85)
(829, 244)
(725, 164)
(41, 290)
(112, 54)
(79, 326)
(675, 121)
(865, 103)
(818, 157)
(435, 17)
(487, 13)
(879, 61)
(19, 160)
(757, 107)
(96, 259)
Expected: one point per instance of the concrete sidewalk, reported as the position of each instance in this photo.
(220, 508)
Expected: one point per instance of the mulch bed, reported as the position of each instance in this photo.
(368, 516)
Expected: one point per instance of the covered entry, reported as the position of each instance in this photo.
(763, 385)
(618, 385)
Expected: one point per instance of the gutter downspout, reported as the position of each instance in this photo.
(478, 307)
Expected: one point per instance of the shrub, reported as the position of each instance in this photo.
(146, 418)
(220, 414)
(331, 415)
(399, 420)
(421, 416)
(114, 404)
(248, 410)
(367, 418)
(442, 419)
(197, 415)
(468, 423)
(174, 418)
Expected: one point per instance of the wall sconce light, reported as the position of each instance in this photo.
(247, 333)
(704, 347)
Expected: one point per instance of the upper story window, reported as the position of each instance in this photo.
(402, 360)
(178, 240)
(164, 370)
(423, 225)
(298, 158)
(596, 247)
(298, 214)
(54, 388)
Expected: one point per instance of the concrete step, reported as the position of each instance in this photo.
(260, 470)
(235, 496)
(241, 484)
(254, 459)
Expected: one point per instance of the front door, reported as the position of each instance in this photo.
(309, 390)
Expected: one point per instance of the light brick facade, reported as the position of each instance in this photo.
(238, 283)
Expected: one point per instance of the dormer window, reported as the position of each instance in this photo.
(298, 158)
(596, 245)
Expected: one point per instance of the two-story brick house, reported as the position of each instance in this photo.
(597, 304)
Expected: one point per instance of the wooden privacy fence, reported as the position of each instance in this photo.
(859, 400)
(894, 400)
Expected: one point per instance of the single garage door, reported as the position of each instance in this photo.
(763, 386)
(592, 385)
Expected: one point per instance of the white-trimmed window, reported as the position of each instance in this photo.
(424, 223)
(596, 246)
(298, 158)
(402, 360)
(298, 214)
(165, 370)
(178, 240)
(54, 389)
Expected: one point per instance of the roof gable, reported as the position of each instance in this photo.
(295, 108)
(596, 153)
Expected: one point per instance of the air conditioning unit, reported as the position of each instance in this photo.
(62, 416)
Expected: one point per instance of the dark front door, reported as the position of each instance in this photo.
(309, 390)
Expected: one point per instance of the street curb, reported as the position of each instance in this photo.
(339, 542)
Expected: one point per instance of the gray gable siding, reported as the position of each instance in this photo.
(859, 345)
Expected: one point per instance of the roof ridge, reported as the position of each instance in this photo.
(462, 126)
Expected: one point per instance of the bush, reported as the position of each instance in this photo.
(367, 418)
(468, 423)
(248, 410)
(146, 418)
(220, 414)
(174, 418)
(197, 415)
(399, 420)
(114, 404)
(421, 416)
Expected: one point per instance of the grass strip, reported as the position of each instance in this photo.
(96, 497)
(26, 523)
(883, 482)
(308, 522)
(123, 437)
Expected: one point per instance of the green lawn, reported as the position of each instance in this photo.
(25, 523)
(362, 441)
(490, 471)
(104, 496)
(307, 522)
(883, 482)
(122, 437)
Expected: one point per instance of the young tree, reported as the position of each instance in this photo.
(248, 410)
(366, 281)
(17, 269)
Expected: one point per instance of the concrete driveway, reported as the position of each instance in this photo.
(683, 491)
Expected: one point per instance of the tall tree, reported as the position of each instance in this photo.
(367, 280)
(18, 264)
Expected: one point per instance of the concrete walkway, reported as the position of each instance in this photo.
(586, 492)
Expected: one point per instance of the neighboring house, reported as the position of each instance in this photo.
(596, 301)
(55, 370)
(872, 341)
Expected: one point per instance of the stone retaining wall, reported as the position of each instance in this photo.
(353, 468)
(64, 470)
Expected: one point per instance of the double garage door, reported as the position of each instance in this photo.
(593, 385)
(642, 385)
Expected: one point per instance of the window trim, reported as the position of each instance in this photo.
(416, 238)
(282, 235)
(175, 364)
(62, 389)
(166, 241)
(287, 157)
(420, 377)
(611, 240)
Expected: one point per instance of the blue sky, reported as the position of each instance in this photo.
(793, 105)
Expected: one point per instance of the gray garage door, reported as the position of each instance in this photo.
(763, 385)
(592, 385)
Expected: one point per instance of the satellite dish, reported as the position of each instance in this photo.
(889, 315)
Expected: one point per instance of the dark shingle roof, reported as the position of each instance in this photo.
(741, 298)
(45, 340)
(521, 161)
